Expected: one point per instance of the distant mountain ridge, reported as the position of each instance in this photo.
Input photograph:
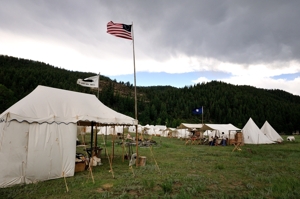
(159, 105)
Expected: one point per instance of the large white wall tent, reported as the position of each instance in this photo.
(253, 135)
(270, 132)
(38, 133)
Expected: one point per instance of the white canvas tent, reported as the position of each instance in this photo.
(38, 133)
(253, 135)
(131, 129)
(158, 129)
(154, 130)
(270, 132)
(110, 130)
(169, 132)
(217, 129)
(183, 133)
(149, 129)
(192, 128)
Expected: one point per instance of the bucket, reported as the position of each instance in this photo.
(142, 161)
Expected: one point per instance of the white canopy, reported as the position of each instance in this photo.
(38, 133)
(268, 130)
(253, 135)
(48, 105)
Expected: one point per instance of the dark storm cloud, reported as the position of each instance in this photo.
(244, 32)
(234, 31)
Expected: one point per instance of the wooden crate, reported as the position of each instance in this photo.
(79, 166)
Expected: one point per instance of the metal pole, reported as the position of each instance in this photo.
(202, 115)
(98, 85)
(135, 99)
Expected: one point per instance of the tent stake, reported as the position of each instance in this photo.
(66, 182)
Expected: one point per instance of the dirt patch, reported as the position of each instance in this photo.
(107, 187)
(100, 190)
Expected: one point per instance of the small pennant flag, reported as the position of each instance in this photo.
(92, 82)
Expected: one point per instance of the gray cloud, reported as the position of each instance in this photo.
(244, 32)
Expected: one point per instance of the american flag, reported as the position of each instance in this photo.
(119, 30)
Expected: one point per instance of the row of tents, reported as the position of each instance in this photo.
(252, 134)
(38, 133)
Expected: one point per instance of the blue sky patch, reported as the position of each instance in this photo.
(290, 76)
(164, 79)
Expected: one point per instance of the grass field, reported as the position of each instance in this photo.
(182, 171)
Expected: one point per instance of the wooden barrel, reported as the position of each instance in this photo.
(239, 137)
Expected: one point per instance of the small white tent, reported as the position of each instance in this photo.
(154, 130)
(110, 130)
(169, 132)
(253, 135)
(270, 132)
(158, 129)
(38, 133)
(149, 129)
(183, 133)
(131, 129)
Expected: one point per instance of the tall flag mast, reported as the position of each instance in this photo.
(126, 32)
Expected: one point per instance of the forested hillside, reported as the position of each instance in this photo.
(165, 105)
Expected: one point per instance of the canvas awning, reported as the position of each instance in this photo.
(189, 126)
(226, 128)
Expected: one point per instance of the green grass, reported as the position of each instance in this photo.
(183, 171)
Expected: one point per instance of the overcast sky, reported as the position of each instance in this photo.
(176, 43)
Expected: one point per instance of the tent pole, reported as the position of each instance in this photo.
(105, 138)
(98, 85)
(123, 144)
(95, 141)
(92, 151)
(113, 144)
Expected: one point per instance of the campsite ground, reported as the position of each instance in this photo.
(182, 171)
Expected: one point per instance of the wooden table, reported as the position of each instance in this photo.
(97, 151)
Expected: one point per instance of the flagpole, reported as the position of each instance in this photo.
(202, 115)
(135, 99)
(98, 85)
